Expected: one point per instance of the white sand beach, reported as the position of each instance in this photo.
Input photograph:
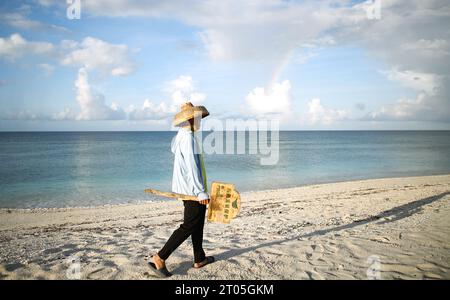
(396, 228)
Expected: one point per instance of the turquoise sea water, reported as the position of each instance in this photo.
(59, 169)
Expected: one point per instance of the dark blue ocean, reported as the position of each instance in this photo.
(59, 169)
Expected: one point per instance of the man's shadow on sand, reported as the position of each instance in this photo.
(391, 215)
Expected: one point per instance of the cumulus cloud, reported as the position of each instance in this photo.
(150, 111)
(275, 99)
(430, 103)
(92, 106)
(412, 36)
(89, 54)
(267, 30)
(16, 46)
(425, 82)
(92, 53)
(403, 109)
(236, 29)
(318, 114)
(252, 29)
(180, 90)
(424, 107)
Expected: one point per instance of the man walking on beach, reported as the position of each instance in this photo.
(189, 178)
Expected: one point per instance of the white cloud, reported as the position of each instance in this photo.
(424, 107)
(412, 36)
(92, 107)
(20, 19)
(90, 54)
(243, 29)
(422, 82)
(403, 110)
(150, 111)
(272, 100)
(96, 54)
(180, 90)
(16, 46)
(264, 30)
(429, 104)
(66, 114)
(430, 47)
(237, 29)
(318, 114)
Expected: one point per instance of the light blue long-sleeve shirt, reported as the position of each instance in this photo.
(187, 171)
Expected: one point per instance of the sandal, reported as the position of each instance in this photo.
(161, 273)
(208, 260)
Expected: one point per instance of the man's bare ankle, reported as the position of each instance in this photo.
(158, 261)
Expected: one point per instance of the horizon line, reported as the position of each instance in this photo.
(285, 130)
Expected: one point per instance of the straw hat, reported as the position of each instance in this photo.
(189, 111)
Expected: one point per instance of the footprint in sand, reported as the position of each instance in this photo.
(12, 267)
(52, 251)
(314, 253)
(429, 275)
(314, 275)
(102, 273)
(400, 269)
(426, 267)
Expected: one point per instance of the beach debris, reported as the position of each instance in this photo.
(224, 205)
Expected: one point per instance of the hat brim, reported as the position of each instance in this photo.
(188, 114)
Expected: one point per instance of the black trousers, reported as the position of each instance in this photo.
(193, 223)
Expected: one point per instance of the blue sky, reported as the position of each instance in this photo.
(128, 65)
